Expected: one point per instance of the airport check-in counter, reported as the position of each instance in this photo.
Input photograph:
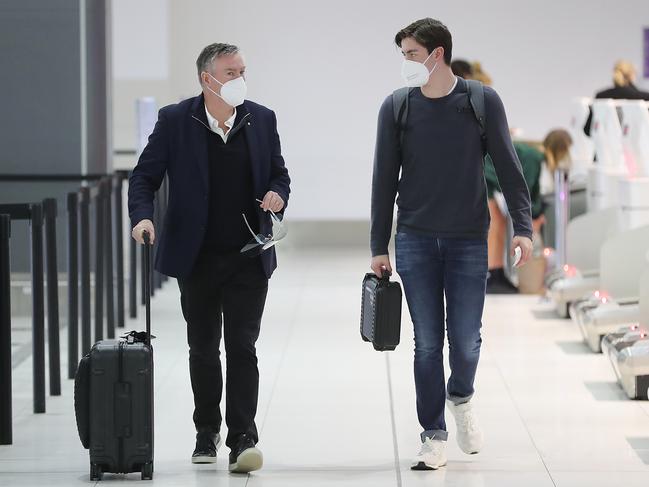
(633, 189)
(604, 175)
(617, 301)
(619, 180)
(585, 236)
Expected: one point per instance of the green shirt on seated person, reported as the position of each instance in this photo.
(531, 161)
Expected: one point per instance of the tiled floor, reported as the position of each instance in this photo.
(552, 412)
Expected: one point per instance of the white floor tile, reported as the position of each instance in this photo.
(551, 410)
(600, 479)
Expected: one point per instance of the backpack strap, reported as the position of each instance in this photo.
(475, 90)
(400, 108)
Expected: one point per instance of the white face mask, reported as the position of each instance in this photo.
(233, 92)
(416, 74)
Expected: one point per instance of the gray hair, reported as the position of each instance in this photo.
(210, 53)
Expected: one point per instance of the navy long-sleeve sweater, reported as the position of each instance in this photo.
(438, 175)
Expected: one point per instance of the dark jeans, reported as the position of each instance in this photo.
(431, 268)
(226, 292)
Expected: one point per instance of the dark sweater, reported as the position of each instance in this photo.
(230, 192)
(441, 189)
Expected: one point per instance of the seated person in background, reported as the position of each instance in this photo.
(531, 161)
(624, 88)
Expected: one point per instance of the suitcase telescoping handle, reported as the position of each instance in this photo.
(147, 284)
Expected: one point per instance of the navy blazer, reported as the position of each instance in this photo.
(178, 147)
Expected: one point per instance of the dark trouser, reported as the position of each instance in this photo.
(228, 290)
(431, 268)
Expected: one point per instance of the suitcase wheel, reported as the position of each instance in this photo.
(95, 472)
(147, 471)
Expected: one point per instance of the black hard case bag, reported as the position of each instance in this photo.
(113, 400)
(381, 311)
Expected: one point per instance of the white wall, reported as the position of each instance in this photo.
(140, 58)
(325, 68)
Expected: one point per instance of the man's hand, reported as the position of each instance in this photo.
(272, 201)
(526, 249)
(379, 263)
(140, 228)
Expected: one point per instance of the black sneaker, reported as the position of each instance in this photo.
(207, 444)
(245, 456)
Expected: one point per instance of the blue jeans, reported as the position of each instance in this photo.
(431, 268)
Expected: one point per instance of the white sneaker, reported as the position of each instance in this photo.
(469, 433)
(431, 456)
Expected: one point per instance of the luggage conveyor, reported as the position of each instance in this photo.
(628, 349)
(616, 302)
(585, 236)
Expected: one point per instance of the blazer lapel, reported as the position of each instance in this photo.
(198, 138)
(252, 139)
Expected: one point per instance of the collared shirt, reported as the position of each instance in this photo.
(214, 124)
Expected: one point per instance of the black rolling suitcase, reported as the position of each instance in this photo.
(113, 400)
(381, 311)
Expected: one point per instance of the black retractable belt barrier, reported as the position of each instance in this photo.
(98, 196)
(73, 283)
(107, 196)
(38, 307)
(108, 253)
(119, 249)
(33, 212)
(52, 276)
(84, 247)
(6, 430)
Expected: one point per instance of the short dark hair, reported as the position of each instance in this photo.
(431, 34)
(210, 53)
(462, 68)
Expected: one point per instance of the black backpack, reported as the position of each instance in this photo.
(476, 100)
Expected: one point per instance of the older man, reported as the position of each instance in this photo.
(222, 156)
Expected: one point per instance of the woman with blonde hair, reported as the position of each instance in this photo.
(624, 88)
(624, 73)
